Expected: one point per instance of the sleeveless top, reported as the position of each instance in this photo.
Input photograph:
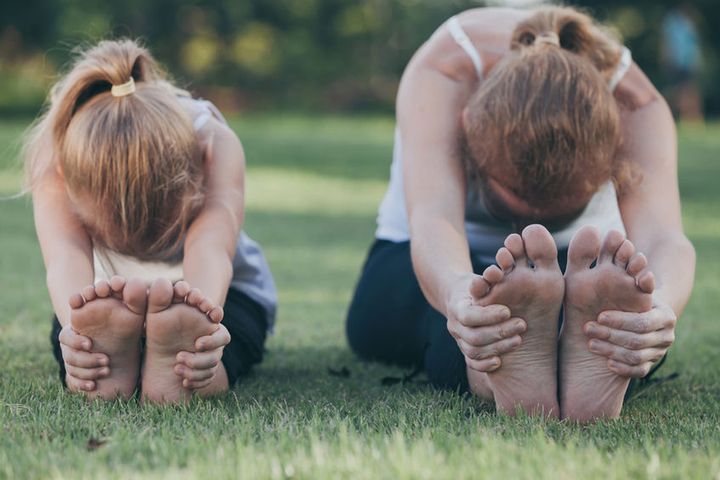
(485, 233)
(251, 273)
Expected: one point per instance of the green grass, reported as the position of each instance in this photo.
(313, 187)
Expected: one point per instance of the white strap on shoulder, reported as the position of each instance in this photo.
(622, 68)
(201, 120)
(464, 42)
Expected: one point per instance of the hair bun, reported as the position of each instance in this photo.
(571, 30)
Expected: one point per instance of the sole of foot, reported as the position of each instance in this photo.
(527, 280)
(599, 277)
(176, 317)
(112, 315)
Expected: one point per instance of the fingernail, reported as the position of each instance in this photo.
(88, 386)
(589, 329)
(592, 345)
(86, 345)
(105, 371)
(179, 370)
(103, 362)
(505, 312)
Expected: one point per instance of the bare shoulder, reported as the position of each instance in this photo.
(635, 90)
(489, 30)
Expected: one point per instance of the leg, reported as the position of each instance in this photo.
(617, 281)
(247, 323)
(389, 319)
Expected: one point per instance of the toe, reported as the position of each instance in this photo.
(76, 301)
(637, 264)
(505, 259)
(88, 293)
(514, 244)
(611, 244)
(624, 254)
(135, 295)
(194, 297)
(493, 275)
(479, 287)
(646, 282)
(584, 248)
(540, 246)
(102, 289)
(160, 296)
(117, 283)
(181, 290)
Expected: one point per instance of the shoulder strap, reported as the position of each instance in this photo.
(622, 68)
(464, 42)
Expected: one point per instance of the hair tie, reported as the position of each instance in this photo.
(550, 38)
(124, 89)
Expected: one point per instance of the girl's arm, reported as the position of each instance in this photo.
(652, 216)
(431, 98)
(212, 238)
(66, 246)
(67, 252)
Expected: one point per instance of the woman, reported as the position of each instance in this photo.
(527, 139)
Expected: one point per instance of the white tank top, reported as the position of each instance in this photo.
(485, 233)
(251, 273)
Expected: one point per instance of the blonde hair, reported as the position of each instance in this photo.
(546, 111)
(135, 157)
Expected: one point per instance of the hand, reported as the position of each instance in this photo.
(632, 342)
(482, 333)
(198, 369)
(82, 367)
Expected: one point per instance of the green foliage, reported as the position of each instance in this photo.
(313, 187)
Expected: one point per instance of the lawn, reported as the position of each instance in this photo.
(313, 186)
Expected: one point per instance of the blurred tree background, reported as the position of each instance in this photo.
(320, 55)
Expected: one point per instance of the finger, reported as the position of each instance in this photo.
(633, 341)
(646, 322)
(72, 339)
(87, 373)
(485, 365)
(196, 385)
(219, 338)
(624, 355)
(632, 371)
(477, 316)
(82, 359)
(201, 360)
(480, 336)
(494, 349)
(194, 375)
(78, 385)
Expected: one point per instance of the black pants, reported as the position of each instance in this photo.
(244, 318)
(391, 321)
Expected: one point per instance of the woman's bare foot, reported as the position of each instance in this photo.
(112, 315)
(619, 281)
(529, 282)
(176, 317)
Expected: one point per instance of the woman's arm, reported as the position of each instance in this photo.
(652, 216)
(431, 99)
(212, 238)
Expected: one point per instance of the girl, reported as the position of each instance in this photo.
(138, 188)
(556, 126)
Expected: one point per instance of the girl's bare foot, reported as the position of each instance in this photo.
(619, 281)
(529, 282)
(112, 314)
(177, 316)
